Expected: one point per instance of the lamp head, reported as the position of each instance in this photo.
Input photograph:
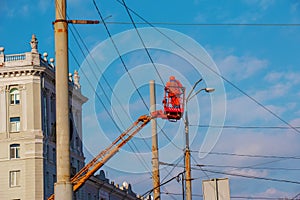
(209, 90)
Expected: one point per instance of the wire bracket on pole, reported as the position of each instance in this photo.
(77, 21)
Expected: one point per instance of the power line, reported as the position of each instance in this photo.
(249, 155)
(244, 127)
(295, 197)
(207, 24)
(119, 54)
(233, 197)
(124, 65)
(214, 71)
(151, 60)
(144, 163)
(232, 166)
(251, 177)
(164, 183)
(142, 160)
(250, 167)
(142, 41)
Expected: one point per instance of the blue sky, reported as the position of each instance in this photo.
(261, 60)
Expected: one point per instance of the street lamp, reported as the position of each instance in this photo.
(187, 153)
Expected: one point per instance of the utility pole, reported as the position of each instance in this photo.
(187, 158)
(187, 152)
(155, 165)
(63, 188)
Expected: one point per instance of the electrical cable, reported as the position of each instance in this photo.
(295, 197)
(249, 155)
(103, 90)
(119, 54)
(151, 60)
(249, 167)
(244, 127)
(251, 177)
(215, 72)
(124, 65)
(112, 119)
(97, 95)
(106, 81)
(144, 163)
(164, 183)
(175, 165)
(207, 24)
(235, 197)
(142, 41)
(232, 166)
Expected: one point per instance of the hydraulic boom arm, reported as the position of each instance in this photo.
(86, 172)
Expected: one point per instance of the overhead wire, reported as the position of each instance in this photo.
(251, 177)
(248, 155)
(104, 92)
(94, 89)
(149, 56)
(208, 24)
(119, 54)
(142, 41)
(164, 183)
(253, 99)
(151, 60)
(111, 117)
(231, 166)
(236, 197)
(250, 167)
(243, 127)
(142, 160)
(125, 67)
(214, 71)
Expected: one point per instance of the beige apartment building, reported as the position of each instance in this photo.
(27, 131)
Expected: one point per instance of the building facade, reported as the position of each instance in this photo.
(27, 125)
(28, 133)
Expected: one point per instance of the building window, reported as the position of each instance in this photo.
(47, 179)
(14, 178)
(14, 96)
(14, 124)
(54, 178)
(54, 155)
(14, 151)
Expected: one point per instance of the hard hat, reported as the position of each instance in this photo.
(172, 77)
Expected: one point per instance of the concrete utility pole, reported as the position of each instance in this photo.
(155, 165)
(63, 187)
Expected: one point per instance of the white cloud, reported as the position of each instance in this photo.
(239, 68)
(286, 77)
(253, 142)
(249, 172)
(242, 110)
(272, 91)
(263, 4)
(273, 192)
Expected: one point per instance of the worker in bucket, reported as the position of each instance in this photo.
(174, 89)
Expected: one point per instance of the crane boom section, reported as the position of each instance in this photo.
(95, 164)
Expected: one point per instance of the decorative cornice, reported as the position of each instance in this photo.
(21, 71)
